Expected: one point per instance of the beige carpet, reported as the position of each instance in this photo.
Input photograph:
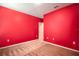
(50, 50)
(43, 49)
(20, 49)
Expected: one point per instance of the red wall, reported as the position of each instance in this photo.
(62, 27)
(16, 27)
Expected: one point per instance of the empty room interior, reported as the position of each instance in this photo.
(39, 29)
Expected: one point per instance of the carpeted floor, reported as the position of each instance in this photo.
(35, 48)
(50, 50)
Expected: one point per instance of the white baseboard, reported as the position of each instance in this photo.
(61, 46)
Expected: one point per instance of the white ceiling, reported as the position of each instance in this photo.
(35, 9)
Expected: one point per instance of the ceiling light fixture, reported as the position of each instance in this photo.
(56, 6)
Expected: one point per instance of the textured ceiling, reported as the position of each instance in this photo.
(35, 9)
